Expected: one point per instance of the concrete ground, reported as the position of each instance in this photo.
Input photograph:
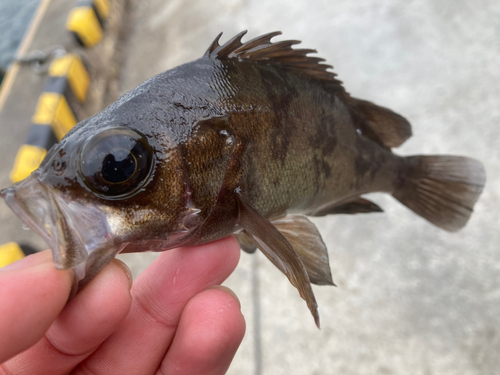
(411, 299)
(20, 93)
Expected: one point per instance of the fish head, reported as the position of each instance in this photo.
(106, 188)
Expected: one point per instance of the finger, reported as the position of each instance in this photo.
(86, 321)
(32, 294)
(209, 333)
(159, 296)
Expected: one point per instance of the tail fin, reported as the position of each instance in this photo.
(441, 189)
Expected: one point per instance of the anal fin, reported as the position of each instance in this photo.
(306, 240)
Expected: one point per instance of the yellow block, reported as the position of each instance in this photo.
(83, 21)
(71, 66)
(10, 253)
(28, 159)
(53, 109)
(79, 79)
(60, 67)
(103, 8)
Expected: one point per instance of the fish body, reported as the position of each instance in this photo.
(246, 140)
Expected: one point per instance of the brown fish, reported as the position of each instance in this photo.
(245, 140)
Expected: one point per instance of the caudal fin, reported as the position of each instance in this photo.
(442, 189)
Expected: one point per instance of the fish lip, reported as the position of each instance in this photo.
(15, 197)
(72, 230)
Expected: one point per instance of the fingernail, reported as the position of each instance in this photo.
(227, 290)
(127, 271)
(29, 261)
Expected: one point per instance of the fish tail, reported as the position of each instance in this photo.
(442, 189)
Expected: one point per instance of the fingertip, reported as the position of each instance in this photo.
(219, 309)
(233, 246)
(224, 253)
(216, 325)
(95, 312)
(210, 331)
(226, 250)
(126, 270)
(227, 290)
(107, 294)
(29, 261)
(179, 274)
(113, 283)
(160, 295)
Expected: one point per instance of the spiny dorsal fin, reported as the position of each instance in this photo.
(377, 123)
(262, 49)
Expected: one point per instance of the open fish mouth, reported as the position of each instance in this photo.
(71, 229)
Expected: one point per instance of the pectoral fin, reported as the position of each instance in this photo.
(306, 240)
(279, 251)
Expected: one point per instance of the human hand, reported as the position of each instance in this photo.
(173, 319)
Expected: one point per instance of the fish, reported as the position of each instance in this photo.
(248, 140)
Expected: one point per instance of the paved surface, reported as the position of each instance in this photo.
(14, 19)
(411, 299)
(22, 98)
(15, 116)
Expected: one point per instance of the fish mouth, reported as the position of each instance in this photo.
(71, 229)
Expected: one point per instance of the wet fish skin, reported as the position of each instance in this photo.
(237, 140)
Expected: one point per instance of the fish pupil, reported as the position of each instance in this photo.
(118, 167)
(116, 163)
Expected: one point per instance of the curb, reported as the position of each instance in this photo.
(66, 87)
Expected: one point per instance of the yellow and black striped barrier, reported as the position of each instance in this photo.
(67, 83)
(10, 253)
(86, 21)
(68, 80)
(70, 70)
(31, 153)
(53, 110)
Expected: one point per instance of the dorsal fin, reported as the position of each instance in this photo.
(377, 123)
(262, 49)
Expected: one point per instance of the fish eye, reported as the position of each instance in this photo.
(116, 162)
